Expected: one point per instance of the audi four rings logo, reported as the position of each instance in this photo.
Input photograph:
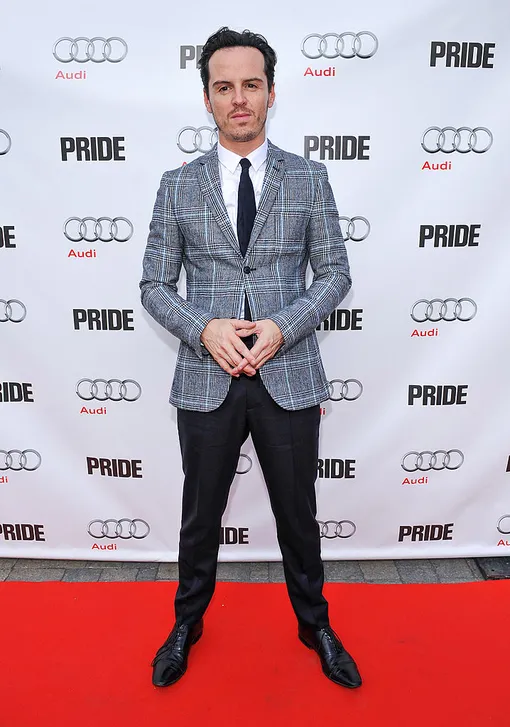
(104, 229)
(190, 140)
(336, 529)
(244, 467)
(16, 460)
(123, 529)
(345, 45)
(449, 309)
(356, 233)
(504, 525)
(111, 390)
(97, 50)
(427, 460)
(5, 143)
(12, 310)
(463, 139)
(348, 390)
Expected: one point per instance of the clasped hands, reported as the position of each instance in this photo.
(223, 338)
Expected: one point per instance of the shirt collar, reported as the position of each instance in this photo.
(230, 159)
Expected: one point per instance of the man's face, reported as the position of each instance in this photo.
(238, 94)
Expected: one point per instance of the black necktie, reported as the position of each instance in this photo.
(245, 207)
(246, 210)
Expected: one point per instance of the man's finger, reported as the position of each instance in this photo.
(244, 351)
(224, 364)
(240, 324)
(259, 348)
(263, 361)
(265, 353)
(240, 366)
(230, 353)
(245, 368)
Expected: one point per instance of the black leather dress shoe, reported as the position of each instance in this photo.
(171, 660)
(337, 664)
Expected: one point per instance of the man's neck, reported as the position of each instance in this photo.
(242, 148)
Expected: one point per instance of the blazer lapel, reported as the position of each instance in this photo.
(209, 181)
(275, 170)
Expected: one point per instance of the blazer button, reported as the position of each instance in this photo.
(247, 269)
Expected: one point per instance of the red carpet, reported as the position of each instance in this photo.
(78, 655)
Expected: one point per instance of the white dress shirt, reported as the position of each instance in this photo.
(230, 176)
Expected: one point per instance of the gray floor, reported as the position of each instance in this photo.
(451, 570)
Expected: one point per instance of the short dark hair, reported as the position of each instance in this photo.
(226, 38)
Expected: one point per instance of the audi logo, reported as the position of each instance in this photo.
(323, 48)
(331, 529)
(506, 525)
(123, 529)
(104, 229)
(111, 390)
(348, 390)
(7, 142)
(66, 50)
(244, 467)
(457, 141)
(190, 140)
(427, 460)
(356, 233)
(12, 310)
(17, 460)
(449, 309)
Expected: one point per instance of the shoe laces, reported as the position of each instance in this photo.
(166, 651)
(340, 656)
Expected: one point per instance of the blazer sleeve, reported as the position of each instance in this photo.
(162, 265)
(331, 274)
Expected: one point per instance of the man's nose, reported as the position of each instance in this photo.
(239, 97)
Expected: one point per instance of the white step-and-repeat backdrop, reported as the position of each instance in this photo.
(407, 105)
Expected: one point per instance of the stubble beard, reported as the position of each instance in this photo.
(243, 134)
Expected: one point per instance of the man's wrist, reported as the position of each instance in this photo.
(201, 342)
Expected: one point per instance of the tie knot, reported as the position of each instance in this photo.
(245, 164)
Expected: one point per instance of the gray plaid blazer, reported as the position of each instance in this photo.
(296, 223)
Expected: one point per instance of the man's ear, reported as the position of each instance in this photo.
(271, 97)
(207, 102)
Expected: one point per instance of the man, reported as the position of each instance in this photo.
(244, 220)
